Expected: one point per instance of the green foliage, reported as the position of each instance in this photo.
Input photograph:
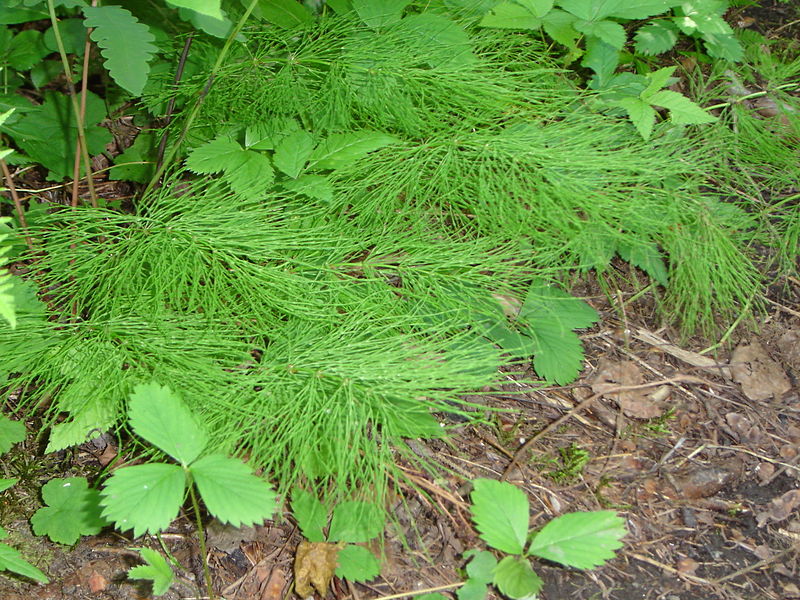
(146, 498)
(501, 513)
(12, 432)
(573, 459)
(71, 510)
(126, 45)
(156, 570)
(352, 522)
(47, 133)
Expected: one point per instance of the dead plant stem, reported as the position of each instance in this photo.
(17, 203)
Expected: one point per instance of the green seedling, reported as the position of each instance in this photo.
(13, 432)
(573, 459)
(147, 498)
(338, 552)
(500, 511)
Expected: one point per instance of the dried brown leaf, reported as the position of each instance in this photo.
(780, 508)
(314, 566)
(761, 377)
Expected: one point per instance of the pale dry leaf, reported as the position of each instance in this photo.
(274, 586)
(779, 508)
(761, 377)
(633, 403)
(314, 566)
(687, 566)
(743, 428)
(765, 470)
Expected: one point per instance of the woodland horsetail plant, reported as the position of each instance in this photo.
(362, 212)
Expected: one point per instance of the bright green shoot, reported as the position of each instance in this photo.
(584, 540)
(146, 498)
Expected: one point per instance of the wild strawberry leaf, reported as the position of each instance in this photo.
(72, 510)
(356, 522)
(158, 415)
(500, 512)
(515, 578)
(356, 563)
(611, 32)
(127, 45)
(156, 570)
(145, 498)
(641, 114)
(311, 515)
(583, 539)
(231, 492)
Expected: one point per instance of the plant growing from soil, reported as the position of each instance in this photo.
(339, 552)
(583, 540)
(12, 432)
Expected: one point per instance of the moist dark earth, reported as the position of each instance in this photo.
(703, 464)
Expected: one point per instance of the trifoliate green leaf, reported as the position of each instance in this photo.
(724, 46)
(611, 32)
(510, 15)
(656, 37)
(253, 177)
(215, 156)
(341, 149)
(682, 111)
(72, 510)
(472, 590)
(48, 133)
(356, 563)
(23, 50)
(156, 570)
(204, 7)
(559, 353)
(515, 578)
(11, 432)
(158, 415)
(287, 14)
(145, 498)
(11, 560)
(500, 512)
(293, 152)
(310, 514)
(641, 114)
(380, 13)
(481, 567)
(313, 186)
(355, 522)
(127, 45)
(583, 539)
(231, 492)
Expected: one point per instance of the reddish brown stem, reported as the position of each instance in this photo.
(17, 203)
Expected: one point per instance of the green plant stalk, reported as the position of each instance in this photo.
(785, 86)
(199, 102)
(202, 539)
(79, 155)
(82, 145)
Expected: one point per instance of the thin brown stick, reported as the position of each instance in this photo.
(583, 405)
(17, 203)
(162, 145)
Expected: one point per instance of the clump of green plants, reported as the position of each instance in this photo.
(583, 540)
(573, 459)
(12, 432)
(341, 552)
